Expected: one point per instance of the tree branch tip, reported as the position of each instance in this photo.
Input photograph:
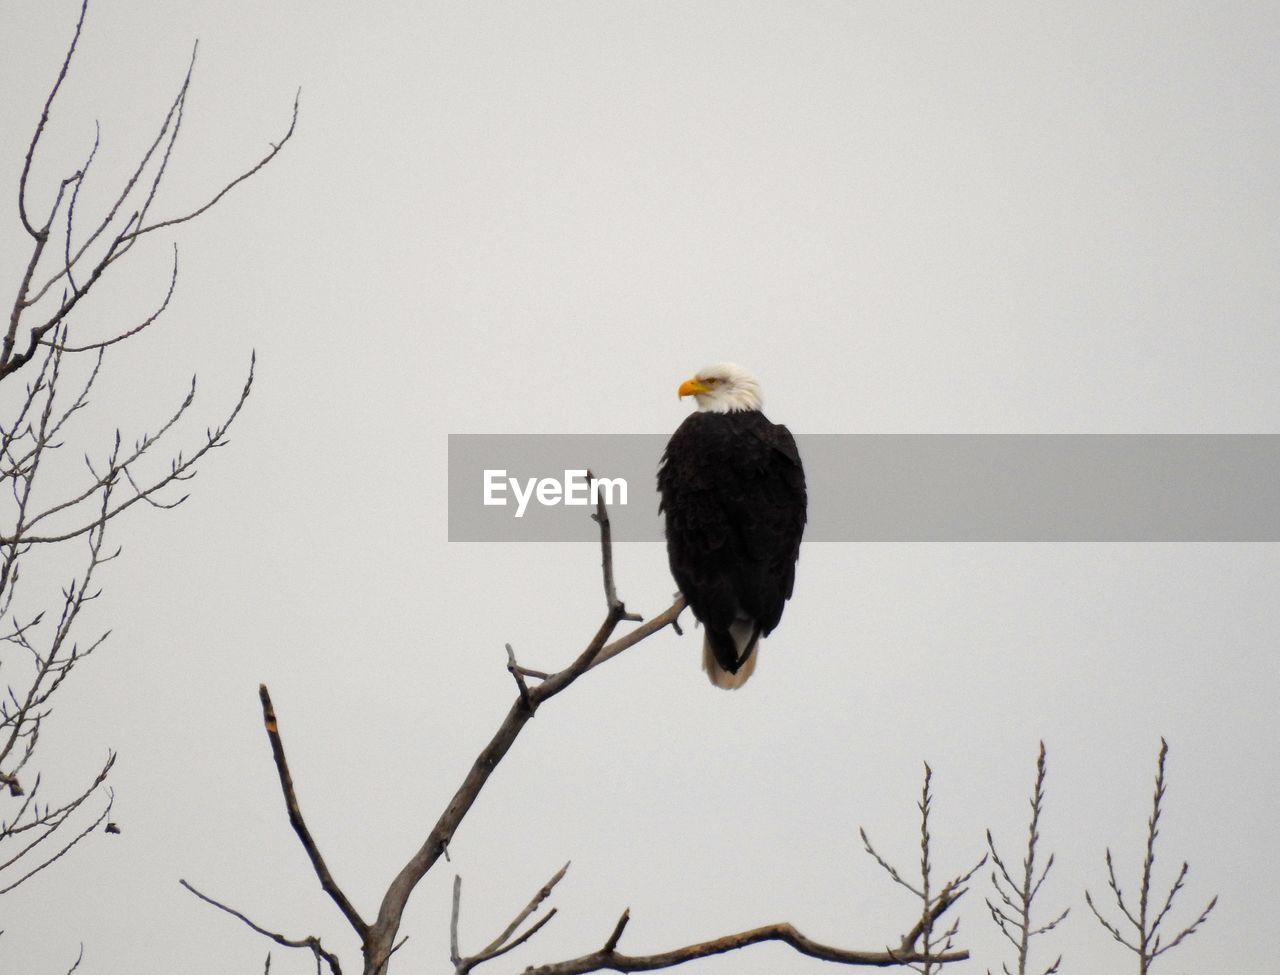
(611, 945)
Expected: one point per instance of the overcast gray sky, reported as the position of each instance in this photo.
(541, 217)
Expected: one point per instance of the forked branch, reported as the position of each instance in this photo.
(507, 940)
(383, 931)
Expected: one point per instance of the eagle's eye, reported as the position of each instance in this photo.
(712, 381)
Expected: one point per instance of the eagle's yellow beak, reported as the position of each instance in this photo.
(693, 387)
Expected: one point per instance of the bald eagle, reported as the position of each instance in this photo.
(733, 496)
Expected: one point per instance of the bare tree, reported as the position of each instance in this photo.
(53, 511)
(380, 937)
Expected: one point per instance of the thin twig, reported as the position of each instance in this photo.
(181, 468)
(213, 201)
(35, 138)
(129, 333)
(311, 942)
(541, 895)
(79, 958)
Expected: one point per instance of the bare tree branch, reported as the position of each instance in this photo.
(79, 958)
(181, 469)
(379, 938)
(311, 943)
(931, 951)
(327, 883)
(1018, 896)
(67, 847)
(109, 218)
(118, 241)
(518, 673)
(534, 902)
(44, 120)
(236, 181)
(507, 940)
(1146, 940)
(129, 333)
(668, 617)
(601, 518)
(382, 932)
(613, 960)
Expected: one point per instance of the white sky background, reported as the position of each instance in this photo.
(541, 218)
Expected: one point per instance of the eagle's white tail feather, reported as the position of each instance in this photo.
(746, 636)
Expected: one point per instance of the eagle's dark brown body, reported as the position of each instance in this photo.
(733, 493)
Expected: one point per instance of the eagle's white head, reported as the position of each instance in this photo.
(723, 388)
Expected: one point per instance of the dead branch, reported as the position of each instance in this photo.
(611, 959)
(608, 957)
(299, 825)
(601, 518)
